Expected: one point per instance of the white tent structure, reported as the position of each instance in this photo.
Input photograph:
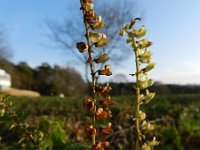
(5, 80)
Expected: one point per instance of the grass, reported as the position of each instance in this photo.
(178, 127)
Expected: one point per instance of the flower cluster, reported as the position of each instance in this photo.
(99, 109)
(144, 64)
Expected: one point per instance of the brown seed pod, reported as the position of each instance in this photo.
(106, 102)
(82, 47)
(103, 90)
(105, 144)
(102, 114)
(106, 71)
(98, 146)
(107, 129)
(87, 1)
(88, 104)
(90, 16)
(90, 130)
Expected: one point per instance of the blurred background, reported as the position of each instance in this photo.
(39, 62)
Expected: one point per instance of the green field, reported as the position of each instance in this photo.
(62, 121)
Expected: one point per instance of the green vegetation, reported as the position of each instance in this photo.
(61, 123)
(61, 120)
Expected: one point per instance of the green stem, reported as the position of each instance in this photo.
(92, 72)
(137, 102)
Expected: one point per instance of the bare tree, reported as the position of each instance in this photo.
(5, 50)
(115, 12)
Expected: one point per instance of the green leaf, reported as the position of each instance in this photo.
(21, 140)
(2, 112)
(12, 126)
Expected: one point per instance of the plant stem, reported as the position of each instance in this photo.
(93, 78)
(91, 70)
(137, 102)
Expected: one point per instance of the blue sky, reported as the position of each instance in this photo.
(173, 27)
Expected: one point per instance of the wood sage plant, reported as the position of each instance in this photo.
(143, 64)
(99, 101)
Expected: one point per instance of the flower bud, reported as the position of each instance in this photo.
(147, 126)
(148, 67)
(144, 43)
(122, 32)
(102, 42)
(145, 147)
(149, 96)
(142, 115)
(140, 32)
(95, 37)
(99, 18)
(97, 24)
(154, 142)
(89, 6)
(145, 57)
(143, 84)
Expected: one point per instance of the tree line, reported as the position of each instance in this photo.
(45, 79)
(52, 81)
